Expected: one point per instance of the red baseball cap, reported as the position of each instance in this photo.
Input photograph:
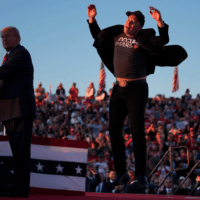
(196, 117)
(183, 155)
(126, 136)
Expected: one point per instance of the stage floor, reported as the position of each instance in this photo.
(105, 196)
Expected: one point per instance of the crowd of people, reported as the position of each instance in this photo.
(169, 122)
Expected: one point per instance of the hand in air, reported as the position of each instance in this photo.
(155, 13)
(91, 11)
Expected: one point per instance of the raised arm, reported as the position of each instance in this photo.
(94, 28)
(155, 14)
(163, 37)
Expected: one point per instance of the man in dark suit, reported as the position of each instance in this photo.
(167, 187)
(17, 106)
(92, 180)
(132, 185)
(108, 188)
(131, 53)
(100, 188)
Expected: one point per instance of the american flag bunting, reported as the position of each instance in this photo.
(55, 164)
(175, 85)
(102, 76)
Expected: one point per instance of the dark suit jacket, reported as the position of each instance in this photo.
(158, 53)
(133, 188)
(103, 189)
(17, 94)
(91, 184)
(108, 188)
(164, 191)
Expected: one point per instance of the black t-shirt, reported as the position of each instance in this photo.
(60, 92)
(130, 60)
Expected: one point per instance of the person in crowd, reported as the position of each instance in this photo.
(188, 95)
(132, 186)
(151, 131)
(160, 146)
(47, 98)
(63, 132)
(186, 187)
(90, 92)
(101, 164)
(60, 93)
(192, 143)
(92, 156)
(108, 188)
(39, 92)
(168, 189)
(109, 160)
(104, 111)
(72, 133)
(173, 129)
(182, 164)
(101, 187)
(154, 183)
(170, 140)
(73, 93)
(197, 191)
(103, 142)
(101, 95)
(97, 125)
(92, 179)
(163, 170)
(75, 119)
(168, 111)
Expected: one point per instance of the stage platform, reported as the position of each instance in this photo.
(103, 196)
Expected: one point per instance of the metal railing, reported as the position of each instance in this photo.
(186, 179)
(170, 152)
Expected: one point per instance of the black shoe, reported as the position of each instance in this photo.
(13, 194)
(142, 182)
(120, 179)
(6, 188)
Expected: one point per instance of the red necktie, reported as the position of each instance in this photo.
(1, 81)
(4, 58)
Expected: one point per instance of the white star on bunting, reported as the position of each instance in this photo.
(39, 167)
(78, 170)
(59, 168)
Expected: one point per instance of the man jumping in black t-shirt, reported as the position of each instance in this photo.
(125, 51)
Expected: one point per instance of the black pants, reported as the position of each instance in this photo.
(19, 132)
(130, 100)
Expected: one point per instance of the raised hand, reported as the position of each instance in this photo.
(155, 14)
(92, 12)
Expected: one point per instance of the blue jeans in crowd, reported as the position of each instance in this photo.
(131, 100)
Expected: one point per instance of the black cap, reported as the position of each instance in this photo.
(139, 16)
